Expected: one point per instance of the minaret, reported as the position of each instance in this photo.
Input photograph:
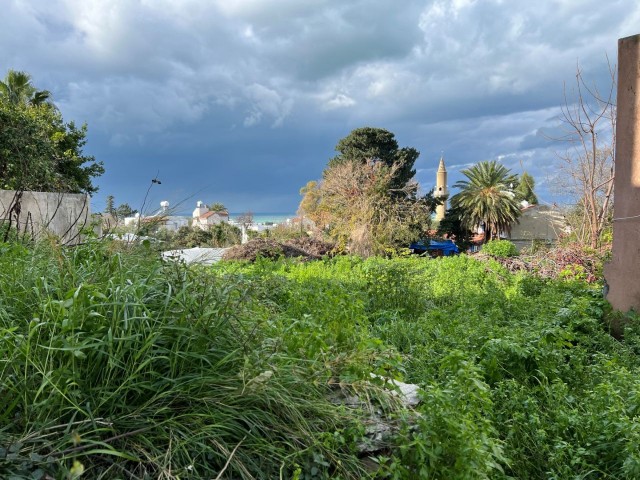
(441, 191)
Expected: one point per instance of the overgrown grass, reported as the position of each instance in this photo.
(520, 376)
(118, 364)
(142, 370)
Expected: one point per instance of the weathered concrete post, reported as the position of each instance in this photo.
(623, 272)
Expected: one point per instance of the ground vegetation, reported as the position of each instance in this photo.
(500, 249)
(302, 248)
(115, 364)
(220, 235)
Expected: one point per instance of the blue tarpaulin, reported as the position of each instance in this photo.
(447, 247)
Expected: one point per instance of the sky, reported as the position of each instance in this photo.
(243, 101)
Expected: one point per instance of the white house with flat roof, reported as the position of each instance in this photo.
(205, 219)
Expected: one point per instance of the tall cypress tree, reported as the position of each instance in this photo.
(110, 208)
(524, 190)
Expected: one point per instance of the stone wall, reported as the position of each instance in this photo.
(36, 213)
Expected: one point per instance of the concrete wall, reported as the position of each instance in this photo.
(63, 214)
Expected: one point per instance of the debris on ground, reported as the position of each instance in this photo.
(305, 249)
(569, 262)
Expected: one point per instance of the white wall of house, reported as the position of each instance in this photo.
(207, 220)
(200, 210)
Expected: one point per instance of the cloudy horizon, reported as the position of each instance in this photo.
(242, 102)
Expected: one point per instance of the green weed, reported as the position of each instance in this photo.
(114, 364)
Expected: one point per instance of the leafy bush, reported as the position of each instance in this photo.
(123, 366)
(520, 378)
(500, 248)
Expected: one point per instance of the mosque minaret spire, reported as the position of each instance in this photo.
(441, 192)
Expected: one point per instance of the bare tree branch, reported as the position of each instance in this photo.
(588, 163)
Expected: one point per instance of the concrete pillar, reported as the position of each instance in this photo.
(623, 272)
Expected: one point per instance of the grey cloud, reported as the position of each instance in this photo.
(543, 137)
(196, 87)
(340, 100)
(267, 101)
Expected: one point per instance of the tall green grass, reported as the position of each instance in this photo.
(114, 364)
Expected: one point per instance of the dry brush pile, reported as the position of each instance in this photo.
(569, 262)
(306, 249)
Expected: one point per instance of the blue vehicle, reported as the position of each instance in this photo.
(435, 248)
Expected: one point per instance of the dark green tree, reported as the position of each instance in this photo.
(370, 144)
(26, 150)
(486, 199)
(38, 150)
(187, 237)
(110, 208)
(524, 190)
(76, 169)
(124, 210)
(224, 234)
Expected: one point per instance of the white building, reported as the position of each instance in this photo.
(204, 219)
(161, 219)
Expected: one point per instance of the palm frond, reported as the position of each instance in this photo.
(486, 198)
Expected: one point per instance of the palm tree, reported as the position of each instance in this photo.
(486, 198)
(16, 88)
(217, 207)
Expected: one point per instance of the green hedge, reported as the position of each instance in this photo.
(500, 248)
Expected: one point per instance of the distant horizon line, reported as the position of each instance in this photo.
(237, 214)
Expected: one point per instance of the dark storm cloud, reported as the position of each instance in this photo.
(243, 101)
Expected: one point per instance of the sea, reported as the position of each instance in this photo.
(268, 217)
